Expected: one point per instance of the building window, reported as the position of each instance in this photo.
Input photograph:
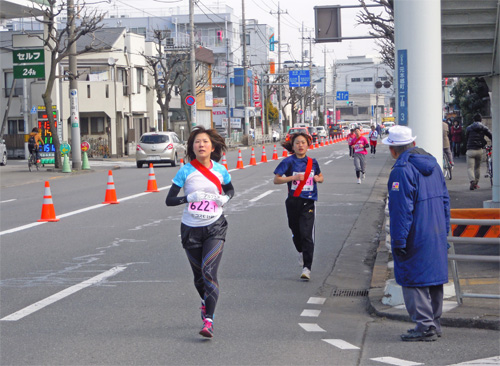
(355, 80)
(122, 77)
(247, 39)
(367, 79)
(383, 78)
(84, 126)
(15, 126)
(18, 86)
(88, 90)
(96, 125)
(140, 79)
(363, 110)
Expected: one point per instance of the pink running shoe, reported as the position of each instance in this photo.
(208, 328)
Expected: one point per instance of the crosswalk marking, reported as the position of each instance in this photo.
(311, 327)
(310, 313)
(495, 360)
(316, 300)
(395, 361)
(339, 343)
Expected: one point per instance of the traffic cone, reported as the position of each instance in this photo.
(224, 161)
(326, 141)
(311, 147)
(275, 153)
(110, 190)
(322, 142)
(263, 159)
(239, 164)
(253, 161)
(48, 212)
(316, 146)
(66, 168)
(85, 161)
(152, 187)
(285, 153)
(182, 163)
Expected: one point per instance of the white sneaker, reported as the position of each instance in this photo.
(363, 176)
(359, 180)
(306, 274)
(301, 259)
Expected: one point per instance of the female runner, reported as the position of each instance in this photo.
(301, 173)
(207, 187)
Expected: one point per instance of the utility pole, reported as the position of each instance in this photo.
(192, 62)
(310, 80)
(279, 66)
(228, 86)
(245, 68)
(76, 152)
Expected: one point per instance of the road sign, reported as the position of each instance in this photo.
(299, 78)
(28, 56)
(301, 111)
(85, 146)
(29, 71)
(190, 100)
(65, 148)
(342, 95)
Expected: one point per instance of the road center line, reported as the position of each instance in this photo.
(14, 199)
(395, 361)
(262, 195)
(339, 343)
(62, 294)
(328, 162)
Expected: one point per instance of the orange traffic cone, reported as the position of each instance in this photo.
(311, 147)
(152, 187)
(326, 141)
(285, 153)
(110, 190)
(275, 153)
(48, 212)
(239, 163)
(263, 159)
(316, 146)
(182, 163)
(253, 161)
(224, 161)
(322, 142)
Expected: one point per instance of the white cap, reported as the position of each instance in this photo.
(399, 136)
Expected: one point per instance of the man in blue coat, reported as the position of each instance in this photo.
(419, 210)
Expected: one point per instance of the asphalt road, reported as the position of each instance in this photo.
(111, 285)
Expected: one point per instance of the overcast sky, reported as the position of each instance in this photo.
(294, 12)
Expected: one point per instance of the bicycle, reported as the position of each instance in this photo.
(489, 164)
(32, 161)
(447, 167)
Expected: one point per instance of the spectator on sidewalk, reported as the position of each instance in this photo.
(474, 137)
(446, 142)
(419, 211)
(456, 138)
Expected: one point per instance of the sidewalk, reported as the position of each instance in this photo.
(474, 277)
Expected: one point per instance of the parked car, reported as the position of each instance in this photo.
(313, 132)
(159, 148)
(293, 130)
(321, 131)
(3, 152)
(336, 130)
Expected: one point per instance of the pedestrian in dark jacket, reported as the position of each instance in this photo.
(474, 137)
(456, 138)
(419, 210)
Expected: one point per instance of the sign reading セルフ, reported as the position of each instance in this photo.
(28, 63)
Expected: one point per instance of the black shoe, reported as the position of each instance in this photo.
(439, 334)
(415, 336)
(472, 186)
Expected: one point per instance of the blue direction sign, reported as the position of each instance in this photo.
(342, 95)
(299, 78)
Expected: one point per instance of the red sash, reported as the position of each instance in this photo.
(207, 173)
(302, 183)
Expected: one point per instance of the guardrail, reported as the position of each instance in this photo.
(453, 258)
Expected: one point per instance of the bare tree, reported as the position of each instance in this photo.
(382, 24)
(59, 42)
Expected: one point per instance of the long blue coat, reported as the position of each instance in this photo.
(419, 209)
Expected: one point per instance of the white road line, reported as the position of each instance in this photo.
(311, 327)
(484, 361)
(62, 294)
(14, 199)
(316, 300)
(311, 313)
(262, 195)
(20, 228)
(328, 162)
(339, 157)
(395, 361)
(339, 343)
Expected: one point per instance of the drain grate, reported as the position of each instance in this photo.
(349, 293)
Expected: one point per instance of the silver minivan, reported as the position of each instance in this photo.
(159, 148)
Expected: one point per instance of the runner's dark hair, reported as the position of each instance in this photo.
(288, 145)
(218, 143)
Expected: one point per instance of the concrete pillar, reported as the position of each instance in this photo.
(494, 86)
(417, 28)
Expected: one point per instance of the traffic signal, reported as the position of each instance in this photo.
(220, 35)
